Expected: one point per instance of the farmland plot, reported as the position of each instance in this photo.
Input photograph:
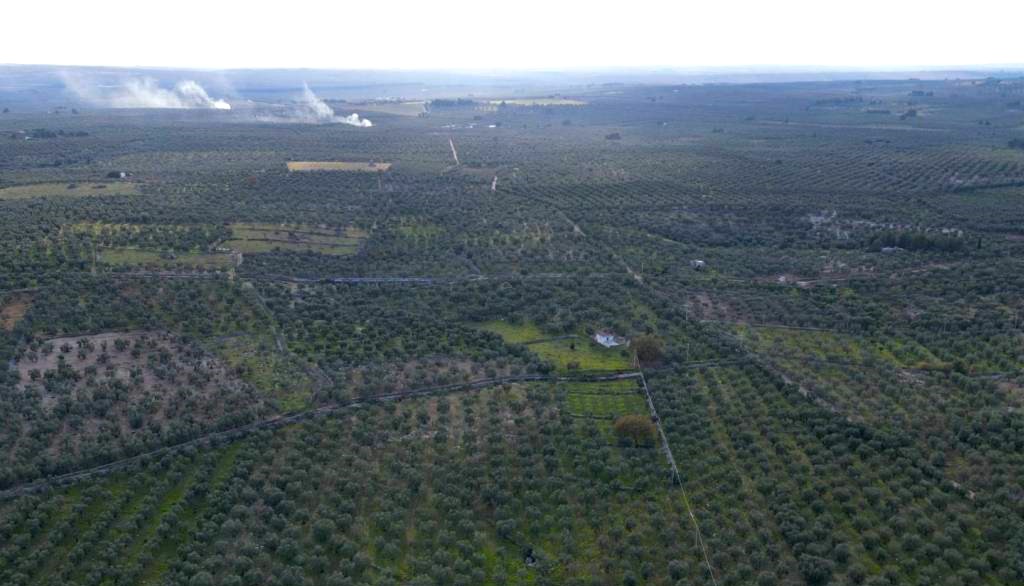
(350, 166)
(260, 238)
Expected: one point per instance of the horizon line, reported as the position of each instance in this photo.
(673, 69)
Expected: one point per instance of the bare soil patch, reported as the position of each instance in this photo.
(14, 310)
(101, 389)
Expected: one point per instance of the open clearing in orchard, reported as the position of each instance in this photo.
(257, 238)
(566, 353)
(87, 189)
(338, 166)
(605, 400)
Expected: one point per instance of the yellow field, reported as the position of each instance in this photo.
(337, 166)
(539, 102)
(68, 189)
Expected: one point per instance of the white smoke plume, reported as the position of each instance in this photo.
(145, 93)
(317, 110)
(317, 107)
(192, 95)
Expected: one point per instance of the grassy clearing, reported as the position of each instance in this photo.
(579, 353)
(138, 257)
(88, 189)
(833, 346)
(338, 166)
(514, 333)
(260, 364)
(605, 400)
(412, 227)
(261, 238)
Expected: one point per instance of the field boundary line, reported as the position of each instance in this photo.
(675, 475)
(297, 417)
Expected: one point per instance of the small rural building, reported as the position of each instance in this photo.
(698, 265)
(610, 340)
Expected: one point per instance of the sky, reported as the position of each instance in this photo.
(516, 35)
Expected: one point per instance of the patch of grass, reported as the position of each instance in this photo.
(87, 189)
(568, 354)
(514, 333)
(605, 400)
(259, 363)
(838, 347)
(607, 406)
(411, 227)
(581, 354)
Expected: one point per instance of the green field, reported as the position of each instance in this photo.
(579, 353)
(606, 400)
(839, 347)
(515, 333)
(274, 373)
(85, 189)
(584, 354)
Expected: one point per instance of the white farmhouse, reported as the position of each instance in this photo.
(610, 340)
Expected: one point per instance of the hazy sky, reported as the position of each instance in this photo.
(523, 34)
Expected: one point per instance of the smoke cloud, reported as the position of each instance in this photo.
(145, 93)
(316, 110)
(317, 107)
(192, 95)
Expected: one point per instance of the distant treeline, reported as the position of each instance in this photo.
(839, 101)
(452, 103)
(45, 133)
